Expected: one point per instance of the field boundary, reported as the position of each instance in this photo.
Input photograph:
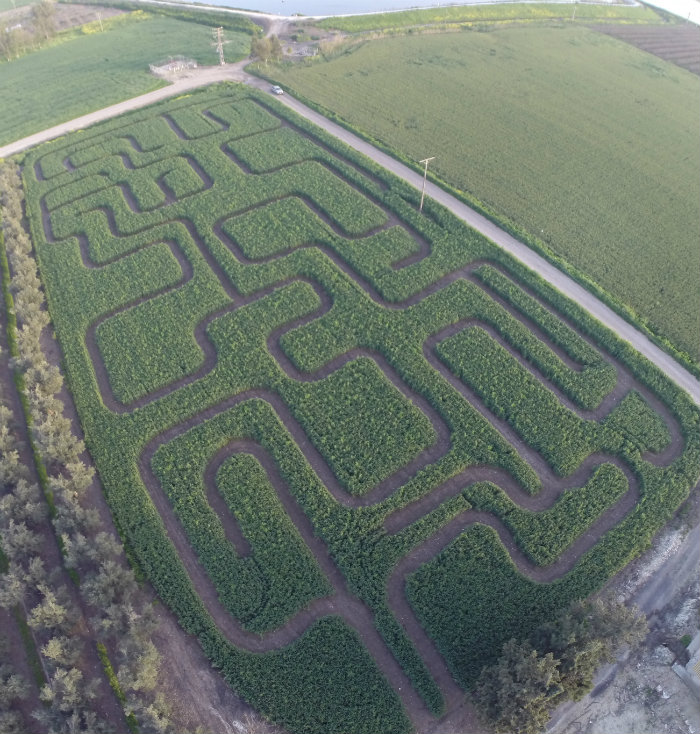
(614, 315)
(445, 495)
(531, 241)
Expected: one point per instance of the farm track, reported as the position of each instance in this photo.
(342, 603)
(583, 297)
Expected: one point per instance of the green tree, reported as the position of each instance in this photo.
(275, 48)
(517, 694)
(587, 634)
(44, 19)
(261, 48)
(531, 678)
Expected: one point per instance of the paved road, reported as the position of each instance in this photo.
(234, 72)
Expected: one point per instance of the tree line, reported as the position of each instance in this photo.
(16, 40)
(113, 609)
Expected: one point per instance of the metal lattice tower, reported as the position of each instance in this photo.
(219, 39)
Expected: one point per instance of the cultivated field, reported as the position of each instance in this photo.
(353, 448)
(584, 142)
(679, 44)
(92, 71)
(489, 13)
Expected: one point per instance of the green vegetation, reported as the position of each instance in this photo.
(94, 70)
(279, 576)
(362, 425)
(284, 381)
(519, 692)
(10, 4)
(477, 14)
(513, 393)
(544, 535)
(584, 146)
(204, 16)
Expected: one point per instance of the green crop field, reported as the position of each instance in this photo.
(91, 71)
(475, 14)
(585, 143)
(321, 418)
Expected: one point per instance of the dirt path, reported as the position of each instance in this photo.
(342, 603)
(235, 72)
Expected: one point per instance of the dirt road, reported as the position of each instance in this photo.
(235, 72)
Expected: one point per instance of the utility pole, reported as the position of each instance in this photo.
(219, 38)
(425, 176)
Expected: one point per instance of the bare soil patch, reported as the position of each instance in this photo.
(67, 16)
(679, 44)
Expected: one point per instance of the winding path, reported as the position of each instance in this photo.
(554, 276)
(342, 602)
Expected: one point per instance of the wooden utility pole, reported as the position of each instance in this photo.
(425, 176)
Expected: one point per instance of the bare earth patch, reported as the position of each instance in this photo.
(679, 44)
(641, 694)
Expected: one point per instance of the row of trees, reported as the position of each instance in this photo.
(16, 40)
(117, 612)
(531, 678)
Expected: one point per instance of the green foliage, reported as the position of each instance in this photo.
(587, 387)
(586, 634)
(544, 535)
(517, 694)
(206, 17)
(278, 227)
(362, 425)
(115, 686)
(283, 147)
(329, 662)
(472, 600)
(435, 93)
(639, 424)
(511, 392)
(279, 576)
(93, 71)
(152, 344)
(30, 648)
(313, 354)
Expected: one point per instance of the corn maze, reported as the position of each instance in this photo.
(354, 448)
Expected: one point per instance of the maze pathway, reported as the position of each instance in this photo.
(306, 400)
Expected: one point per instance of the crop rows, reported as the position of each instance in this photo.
(313, 410)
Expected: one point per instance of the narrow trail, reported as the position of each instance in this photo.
(574, 291)
(342, 603)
